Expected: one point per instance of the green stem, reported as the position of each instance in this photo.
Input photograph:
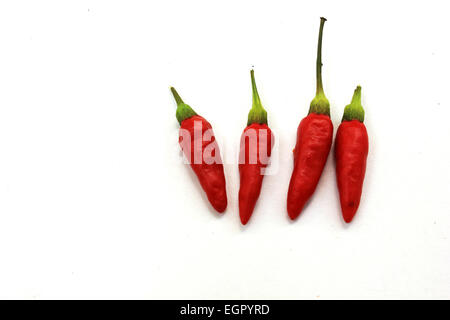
(319, 88)
(355, 110)
(183, 110)
(256, 100)
(320, 103)
(257, 113)
(176, 95)
(356, 99)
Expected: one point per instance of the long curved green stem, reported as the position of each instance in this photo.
(319, 88)
(320, 103)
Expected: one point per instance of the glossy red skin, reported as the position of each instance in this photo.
(250, 170)
(314, 137)
(210, 174)
(351, 149)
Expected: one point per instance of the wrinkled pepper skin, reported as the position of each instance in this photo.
(251, 171)
(209, 173)
(351, 149)
(196, 132)
(255, 150)
(314, 138)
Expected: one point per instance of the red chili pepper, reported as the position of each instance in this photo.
(351, 149)
(199, 145)
(255, 150)
(314, 137)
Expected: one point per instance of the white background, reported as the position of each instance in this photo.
(94, 202)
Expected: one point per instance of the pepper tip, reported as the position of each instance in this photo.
(292, 215)
(348, 213)
(244, 219)
(348, 219)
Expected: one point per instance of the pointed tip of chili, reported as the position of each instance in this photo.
(245, 210)
(295, 203)
(220, 206)
(244, 220)
(348, 213)
(348, 219)
(291, 216)
(293, 213)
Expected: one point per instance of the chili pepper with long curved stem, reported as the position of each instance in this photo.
(255, 150)
(351, 149)
(199, 145)
(314, 137)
